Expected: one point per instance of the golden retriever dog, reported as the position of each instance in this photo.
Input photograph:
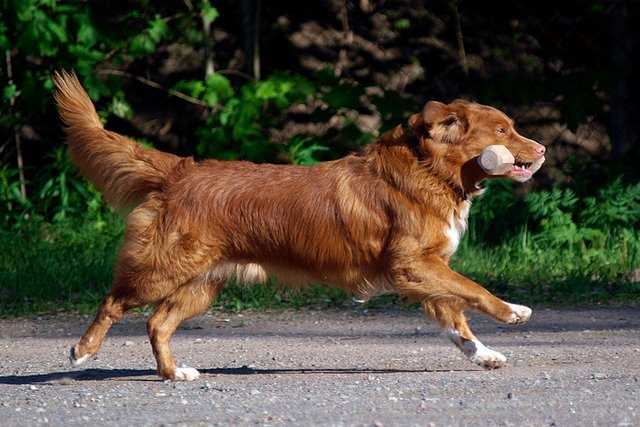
(384, 220)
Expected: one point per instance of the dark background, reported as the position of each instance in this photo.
(300, 82)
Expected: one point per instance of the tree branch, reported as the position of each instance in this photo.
(154, 85)
(462, 55)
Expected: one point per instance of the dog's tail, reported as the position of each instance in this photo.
(124, 171)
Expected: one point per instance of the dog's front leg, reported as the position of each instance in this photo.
(445, 295)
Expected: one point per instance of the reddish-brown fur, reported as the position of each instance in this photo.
(371, 222)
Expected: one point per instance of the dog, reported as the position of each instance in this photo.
(384, 220)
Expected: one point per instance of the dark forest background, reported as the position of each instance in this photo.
(301, 82)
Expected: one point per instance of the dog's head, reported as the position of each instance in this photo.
(459, 131)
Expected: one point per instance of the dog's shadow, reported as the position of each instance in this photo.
(69, 377)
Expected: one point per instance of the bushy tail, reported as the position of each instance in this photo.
(124, 171)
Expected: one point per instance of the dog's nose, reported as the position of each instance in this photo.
(540, 149)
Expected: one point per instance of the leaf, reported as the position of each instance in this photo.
(4, 41)
(86, 58)
(220, 84)
(87, 35)
(301, 154)
(344, 96)
(9, 92)
(57, 30)
(193, 88)
(229, 111)
(208, 13)
(158, 29)
(210, 98)
(120, 107)
(145, 42)
(25, 9)
(402, 24)
(141, 45)
(266, 90)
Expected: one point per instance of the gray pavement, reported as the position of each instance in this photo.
(354, 367)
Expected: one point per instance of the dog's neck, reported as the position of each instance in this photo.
(461, 180)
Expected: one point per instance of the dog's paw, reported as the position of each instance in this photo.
(477, 352)
(186, 373)
(74, 359)
(487, 358)
(519, 314)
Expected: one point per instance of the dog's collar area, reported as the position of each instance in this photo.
(414, 143)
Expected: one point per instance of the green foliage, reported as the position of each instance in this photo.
(120, 107)
(209, 13)
(239, 128)
(616, 205)
(214, 90)
(591, 238)
(14, 208)
(64, 194)
(146, 42)
(56, 266)
(302, 151)
(61, 195)
(402, 24)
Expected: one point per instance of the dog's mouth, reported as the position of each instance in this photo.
(522, 171)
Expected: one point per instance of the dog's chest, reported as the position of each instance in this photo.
(456, 227)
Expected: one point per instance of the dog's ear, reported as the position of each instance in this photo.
(416, 123)
(443, 123)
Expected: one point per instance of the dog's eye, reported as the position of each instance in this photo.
(501, 130)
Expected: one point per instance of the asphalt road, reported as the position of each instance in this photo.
(369, 368)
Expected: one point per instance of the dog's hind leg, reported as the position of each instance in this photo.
(111, 310)
(128, 291)
(152, 263)
(187, 301)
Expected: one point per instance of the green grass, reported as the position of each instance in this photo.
(67, 267)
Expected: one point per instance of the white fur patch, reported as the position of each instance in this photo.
(77, 362)
(368, 289)
(487, 358)
(520, 314)
(477, 352)
(457, 227)
(249, 273)
(186, 373)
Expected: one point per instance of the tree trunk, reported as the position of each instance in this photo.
(462, 55)
(209, 68)
(16, 130)
(625, 128)
(251, 32)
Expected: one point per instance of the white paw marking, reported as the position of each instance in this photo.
(186, 373)
(477, 352)
(487, 358)
(77, 362)
(520, 314)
